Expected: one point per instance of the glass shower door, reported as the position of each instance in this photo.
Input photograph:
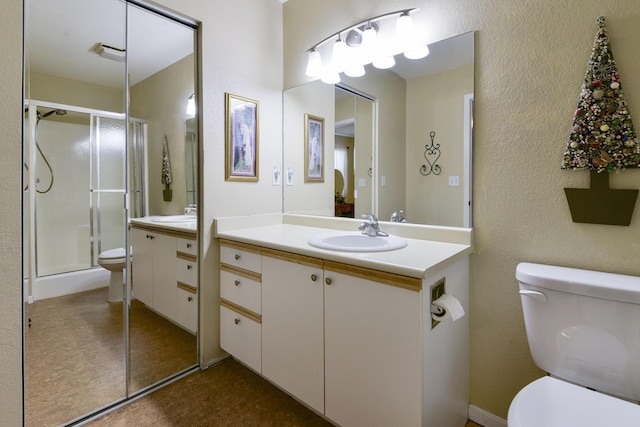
(108, 185)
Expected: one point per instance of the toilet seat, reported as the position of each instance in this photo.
(551, 402)
(112, 254)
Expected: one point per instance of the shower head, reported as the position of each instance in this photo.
(57, 112)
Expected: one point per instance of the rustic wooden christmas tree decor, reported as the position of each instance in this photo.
(602, 139)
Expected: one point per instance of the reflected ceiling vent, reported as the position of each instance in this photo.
(110, 52)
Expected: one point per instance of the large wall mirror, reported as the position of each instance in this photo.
(378, 128)
(107, 83)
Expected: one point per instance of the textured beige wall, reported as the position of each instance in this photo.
(530, 61)
(161, 101)
(436, 103)
(312, 198)
(10, 218)
(241, 53)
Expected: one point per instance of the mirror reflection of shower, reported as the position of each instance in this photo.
(68, 224)
(40, 116)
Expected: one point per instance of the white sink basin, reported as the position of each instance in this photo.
(174, 218)
(356, 242)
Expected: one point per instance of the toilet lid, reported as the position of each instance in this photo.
(551, 402)
(113, 253)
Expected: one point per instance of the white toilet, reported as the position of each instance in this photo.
(583, 329)
(114, 261)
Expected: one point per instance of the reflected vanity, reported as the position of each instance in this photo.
(95, 121)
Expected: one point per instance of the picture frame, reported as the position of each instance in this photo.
(313, 148)
(242, 125)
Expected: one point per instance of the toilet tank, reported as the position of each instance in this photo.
(584, 326)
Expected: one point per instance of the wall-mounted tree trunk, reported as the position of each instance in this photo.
(600, 204)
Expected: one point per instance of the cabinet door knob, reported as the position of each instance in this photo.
(189, 267)
(189, 299)
(328, 280)
(237, 283)
(237, 257)
(237, 321)
(314, 277)
(189, 245)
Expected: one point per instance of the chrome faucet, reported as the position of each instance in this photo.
(398, 216)
(190, 209)
(371, 227)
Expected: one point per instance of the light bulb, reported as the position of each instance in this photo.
(417, 53)
(314, 64)
(356, 71)
(404, 30)
(339, 55)
(191, 105)
(330, 77)
(384, 63)
(369, 44)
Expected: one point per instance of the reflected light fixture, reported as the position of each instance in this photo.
(375, 41)
(110, 52)
(191, 105)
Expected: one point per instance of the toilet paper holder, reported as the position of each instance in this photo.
(437, 310)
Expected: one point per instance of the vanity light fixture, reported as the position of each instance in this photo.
(191, 105)
(375, 41)
(110, 52)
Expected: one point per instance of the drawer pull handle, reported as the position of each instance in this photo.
(237, 283)
(189, 267)
(237, 257)
(189, 245)
(328, 280)
(237, 321)
(189, 299)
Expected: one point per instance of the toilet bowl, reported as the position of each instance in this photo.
(581, 329)
(114, 260)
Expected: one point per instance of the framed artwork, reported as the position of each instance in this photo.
(241, 139)
(313, 148)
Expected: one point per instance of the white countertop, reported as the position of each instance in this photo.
(418, 259)
(151, 221)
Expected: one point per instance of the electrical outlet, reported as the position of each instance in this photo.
(454, 181)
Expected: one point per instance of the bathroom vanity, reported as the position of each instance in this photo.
(165, 268)
(349, 334)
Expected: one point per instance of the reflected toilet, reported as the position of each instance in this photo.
(114, 260)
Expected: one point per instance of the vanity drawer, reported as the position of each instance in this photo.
(187, 246)
(242, 256)
(188, 308)
(241, 287)
(241, 337)
(187, 269)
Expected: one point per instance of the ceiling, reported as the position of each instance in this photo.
(61, 36)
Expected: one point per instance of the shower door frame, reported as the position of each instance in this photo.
(32, 106)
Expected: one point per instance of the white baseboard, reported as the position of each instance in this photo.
(484, 418)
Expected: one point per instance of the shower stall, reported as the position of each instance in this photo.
(75, 198)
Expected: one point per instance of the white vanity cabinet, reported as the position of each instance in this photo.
(351, 334)
(292, 325)
(153, 270)
(165, 273)
(241, 302)
(344, 340)
(187, 282)
(373, 347)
